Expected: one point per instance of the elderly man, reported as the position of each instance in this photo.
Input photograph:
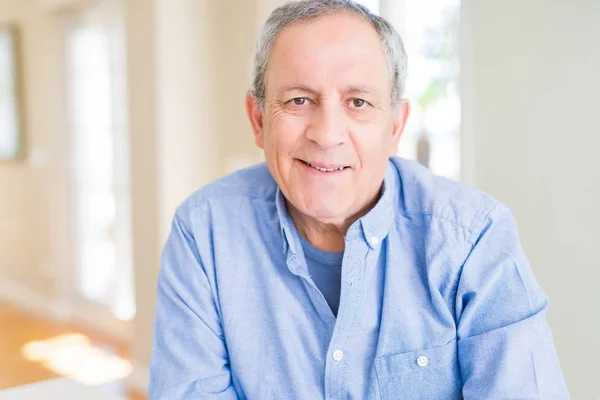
(337, 270)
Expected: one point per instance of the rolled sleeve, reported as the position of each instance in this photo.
(505, 345)
(189, 355)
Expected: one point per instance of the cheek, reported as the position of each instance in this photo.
(284, 132)
(372, 145)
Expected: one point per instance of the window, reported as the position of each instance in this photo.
(102, 228)
(430, 34)
(10, 135)
(431, 39)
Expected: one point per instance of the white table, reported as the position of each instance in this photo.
(59, 389)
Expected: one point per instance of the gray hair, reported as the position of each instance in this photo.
(307, 10)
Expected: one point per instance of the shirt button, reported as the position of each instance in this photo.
(374, 240)
(422, 361)
(338, 355)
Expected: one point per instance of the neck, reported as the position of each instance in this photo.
(325, 234)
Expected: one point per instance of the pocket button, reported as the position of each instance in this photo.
(422, 361)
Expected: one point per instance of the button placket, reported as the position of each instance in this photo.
(338, 355)
(336, 368)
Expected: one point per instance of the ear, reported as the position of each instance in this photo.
(399, 123)
(255, 116)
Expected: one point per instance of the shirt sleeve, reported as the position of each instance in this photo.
(189, 354)
(505, 345)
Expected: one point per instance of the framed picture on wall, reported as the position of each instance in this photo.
(11, 124)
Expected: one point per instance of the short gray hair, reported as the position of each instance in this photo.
(296, 12)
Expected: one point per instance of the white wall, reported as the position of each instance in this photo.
(534, 72)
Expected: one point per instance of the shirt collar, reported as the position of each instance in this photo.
(376, 223)
(373, 226)
(286, 224)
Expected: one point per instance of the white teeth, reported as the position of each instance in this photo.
(323, 169)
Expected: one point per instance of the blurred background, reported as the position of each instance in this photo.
(113, 111)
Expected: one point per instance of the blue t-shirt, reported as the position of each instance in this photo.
(325, 269)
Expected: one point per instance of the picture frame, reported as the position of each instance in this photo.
(12, 143)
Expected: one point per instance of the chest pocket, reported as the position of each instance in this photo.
(423, 374)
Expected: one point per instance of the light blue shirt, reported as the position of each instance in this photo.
(325, 270)
(437, 300)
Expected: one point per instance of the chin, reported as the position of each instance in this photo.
(324, 210)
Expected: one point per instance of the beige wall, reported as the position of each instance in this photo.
(236, 32)
(143, 137)
(536, 139)
(32, 191)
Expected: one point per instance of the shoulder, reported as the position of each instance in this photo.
(423, 193)
(240, 187)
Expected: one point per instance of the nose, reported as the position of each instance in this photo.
(328, 127)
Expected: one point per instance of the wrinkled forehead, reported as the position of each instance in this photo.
(339, 50)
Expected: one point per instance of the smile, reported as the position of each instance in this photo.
(323, 169)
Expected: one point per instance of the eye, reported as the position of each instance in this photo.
(358, 103)
(299, 101)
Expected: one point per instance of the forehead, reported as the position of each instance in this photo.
(335, 50)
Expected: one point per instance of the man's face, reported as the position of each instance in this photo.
(328, 127)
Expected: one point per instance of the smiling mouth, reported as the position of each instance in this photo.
(323, 169)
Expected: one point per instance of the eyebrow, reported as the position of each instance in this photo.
(360, 89)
